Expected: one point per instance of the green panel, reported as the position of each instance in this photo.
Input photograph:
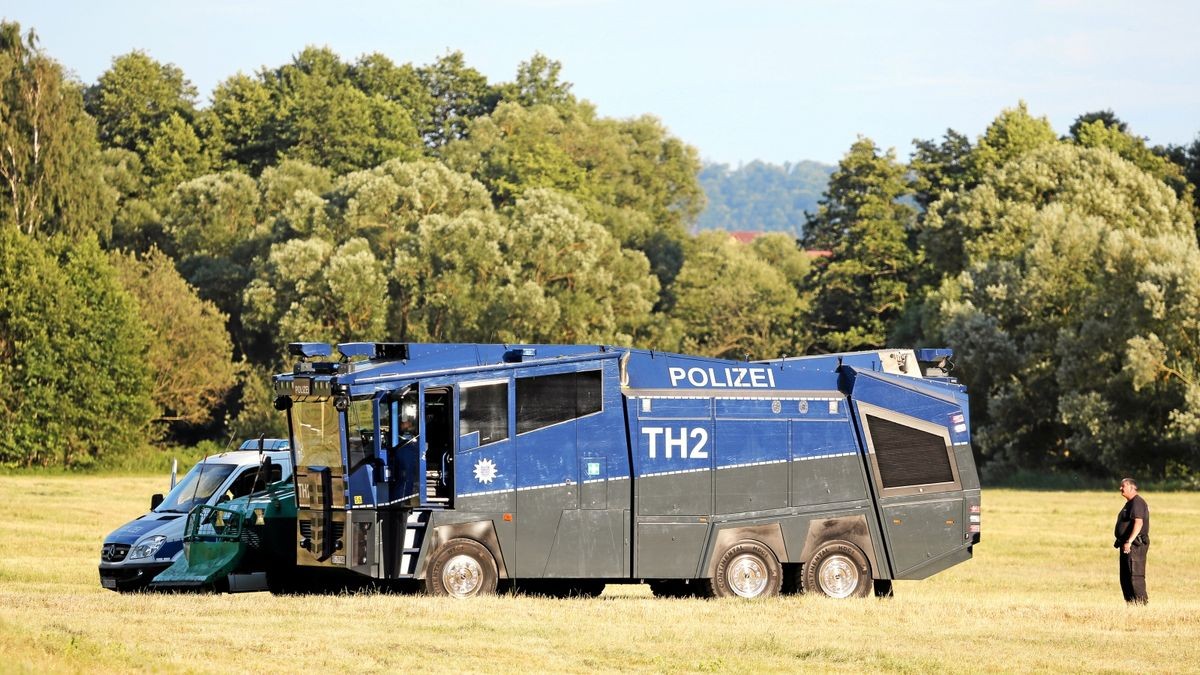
(589, 543)
(751, 488)
(675, 494)
(827, 480)
(921, 529)
(670, 550)
(201, 564)
(537, 518)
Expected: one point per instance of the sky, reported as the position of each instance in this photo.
(771, 80)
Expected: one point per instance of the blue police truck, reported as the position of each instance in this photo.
(562, 468)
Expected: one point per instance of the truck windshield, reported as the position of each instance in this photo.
(317, 436)
(196, 487)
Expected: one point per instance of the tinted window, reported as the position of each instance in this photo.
(196, 487)
(360, 430)
(484, 408)
(550, 399)
(908, 456)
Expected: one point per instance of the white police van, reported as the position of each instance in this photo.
(136, 552)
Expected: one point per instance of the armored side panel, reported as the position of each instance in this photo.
(918, 451)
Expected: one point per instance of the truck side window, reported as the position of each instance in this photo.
(550, 399)
(484, 408)
(908, 456)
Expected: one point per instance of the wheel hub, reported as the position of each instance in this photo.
(838, 577)
(462, 576)
(747, 576)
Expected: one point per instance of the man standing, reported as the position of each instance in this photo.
(1133, 539)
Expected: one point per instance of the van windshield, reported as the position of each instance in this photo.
(196, 487)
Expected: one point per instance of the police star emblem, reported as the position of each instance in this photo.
(485, 471)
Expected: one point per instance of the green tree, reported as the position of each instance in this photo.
(50, 170)
(572, 269)
(173, 157)
(449, 272)
(1187, 158)
(1011, 135)
(134, 98)
(630, 176)
(1107, 119)
(942, 231)
(1075, 315)
(190, 355)
(137, 224)
(1111, 134)
(311, 290)
(863, 288)
(940, 168)
(257, 413)
(74, 383)
(377, 75)
(292, 192)
(460, 94)
(215, 227)
(538, 83)
(730, 302)
(242, 114)
(323, 119)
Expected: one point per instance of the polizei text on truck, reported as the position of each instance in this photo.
(561, 468)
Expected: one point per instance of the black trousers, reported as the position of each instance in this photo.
(1133, 574)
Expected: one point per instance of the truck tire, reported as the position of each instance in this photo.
(748, 569)
(838, 570)
(462, 568)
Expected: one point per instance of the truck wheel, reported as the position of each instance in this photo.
(462, 568)
(838, 570)
(747, 570)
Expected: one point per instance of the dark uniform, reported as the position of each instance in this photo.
(1133, 564)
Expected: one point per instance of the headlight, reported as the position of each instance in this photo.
(147, 547)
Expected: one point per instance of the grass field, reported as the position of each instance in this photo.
(1040, 595)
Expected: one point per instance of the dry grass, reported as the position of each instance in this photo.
(1040, 595)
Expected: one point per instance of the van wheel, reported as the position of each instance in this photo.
(462, 568)
(838, 570)
(747, 570)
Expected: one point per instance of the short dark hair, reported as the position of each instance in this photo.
(1130, 481)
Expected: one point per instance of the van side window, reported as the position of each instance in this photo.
(550, 399)
(484, 408)
(245, 483)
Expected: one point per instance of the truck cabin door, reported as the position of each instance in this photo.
(363, 468)
(438, 425)
(399, 440)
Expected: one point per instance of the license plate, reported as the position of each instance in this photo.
(108, 583)
(339, 560)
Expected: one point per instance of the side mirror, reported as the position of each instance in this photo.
(155, 500)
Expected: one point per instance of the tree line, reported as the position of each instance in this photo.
(156, 256)
(760, 196)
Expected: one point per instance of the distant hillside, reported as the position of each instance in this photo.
(761, 196)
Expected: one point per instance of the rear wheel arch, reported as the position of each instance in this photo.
(482, 531)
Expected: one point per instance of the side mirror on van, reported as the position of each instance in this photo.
(155, 500)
